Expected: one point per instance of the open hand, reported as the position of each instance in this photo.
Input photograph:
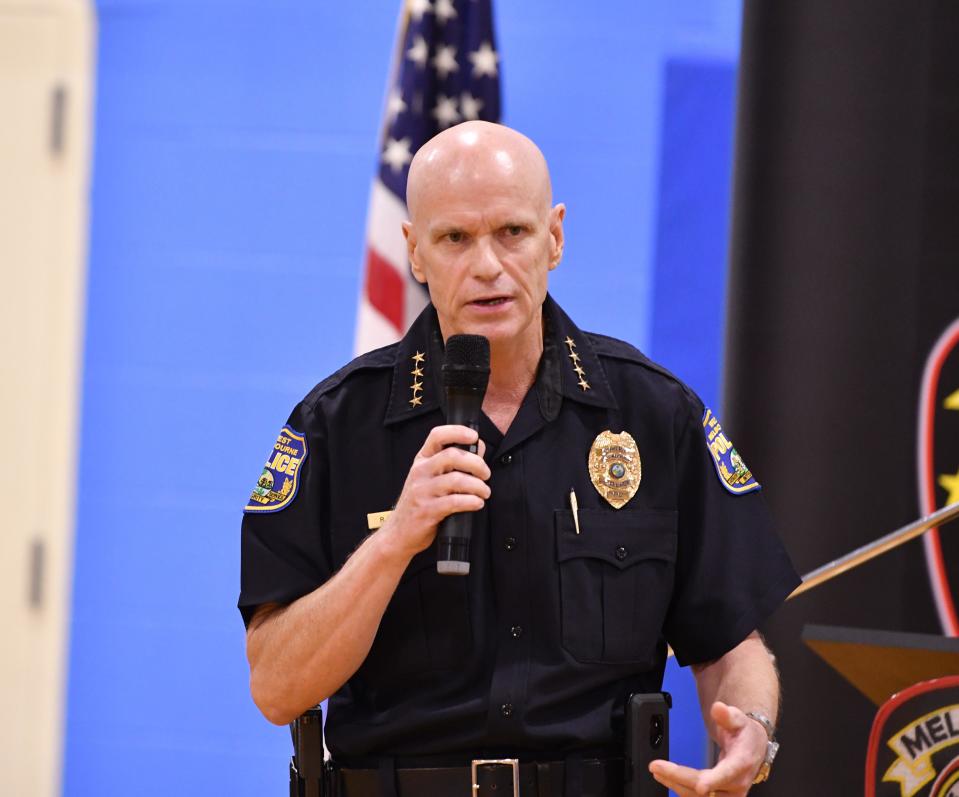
(742, 743)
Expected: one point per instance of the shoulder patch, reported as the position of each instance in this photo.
(276, 488)
(730, 468)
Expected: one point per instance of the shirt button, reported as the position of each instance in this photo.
(621, 553)
(516, 631)
(506, 459)
(506, 710)
(509, 543)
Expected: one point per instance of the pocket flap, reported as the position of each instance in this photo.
(620, 537)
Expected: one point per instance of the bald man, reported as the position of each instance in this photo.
(568, 606)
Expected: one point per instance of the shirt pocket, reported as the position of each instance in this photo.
(426, 626)
(616, 581)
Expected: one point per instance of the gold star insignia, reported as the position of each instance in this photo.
(574, 356)
(419, 357)
(950, 484)
(569, 342)
(417, 386)
(416, 401)
(579, 369)
(583, 384)
(417, 371)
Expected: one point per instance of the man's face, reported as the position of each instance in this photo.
(484, 241)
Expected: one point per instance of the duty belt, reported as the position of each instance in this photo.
(501, 777)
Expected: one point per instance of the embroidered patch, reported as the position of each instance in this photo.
(276, 488)
(732, 471)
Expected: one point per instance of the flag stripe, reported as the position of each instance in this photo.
(385, 289)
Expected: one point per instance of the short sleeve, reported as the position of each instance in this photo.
(732, 571)
(283, 551)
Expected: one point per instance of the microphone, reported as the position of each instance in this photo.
(465, 376)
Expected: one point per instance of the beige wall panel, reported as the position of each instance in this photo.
(46, 73)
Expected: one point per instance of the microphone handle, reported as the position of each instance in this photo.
(453, 537)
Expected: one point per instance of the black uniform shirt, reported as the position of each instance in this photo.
(537, 649)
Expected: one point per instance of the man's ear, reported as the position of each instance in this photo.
(556, 216)
(410, 235)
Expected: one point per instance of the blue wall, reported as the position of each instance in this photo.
(235, 143)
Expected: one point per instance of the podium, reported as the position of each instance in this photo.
(913, 748)
(881, 663)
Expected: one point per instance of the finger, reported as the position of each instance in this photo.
(457, 502)
(728, 717)
(458, 483)
(453, 459)
(447, 435)
(674, 774)
(482, 449)
(682, 791)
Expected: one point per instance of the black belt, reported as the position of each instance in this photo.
(493, 778)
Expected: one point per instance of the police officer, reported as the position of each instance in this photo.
(612, 515)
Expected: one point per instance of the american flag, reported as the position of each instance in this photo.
(446, 71)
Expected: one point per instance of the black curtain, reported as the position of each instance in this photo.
(844, 272)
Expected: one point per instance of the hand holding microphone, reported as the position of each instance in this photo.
(446, 483)
(465, 378)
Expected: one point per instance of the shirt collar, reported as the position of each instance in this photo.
(569, 368)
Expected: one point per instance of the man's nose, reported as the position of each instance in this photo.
(486, 264)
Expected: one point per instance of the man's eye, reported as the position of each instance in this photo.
(514, 230)
(454, 237)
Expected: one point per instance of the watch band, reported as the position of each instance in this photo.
(767, 724)
(772, 746)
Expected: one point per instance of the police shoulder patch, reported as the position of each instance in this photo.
(732, 471)
(276, 488)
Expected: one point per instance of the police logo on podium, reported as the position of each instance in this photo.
(277, 485)
(615, 468)
(938, 460)
(914, 744)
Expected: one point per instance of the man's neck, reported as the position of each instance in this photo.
(513, 366)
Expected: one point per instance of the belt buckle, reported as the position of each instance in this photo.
(505, 762)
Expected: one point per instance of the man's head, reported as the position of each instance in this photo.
(483, 234)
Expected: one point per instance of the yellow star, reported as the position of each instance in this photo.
(416, 386)
(574, 356)
(583, 384)
(417, 371)
(578, 369)
(569, 342)
(416, 401)
(952, 401)
(419, 357)
(951, 485)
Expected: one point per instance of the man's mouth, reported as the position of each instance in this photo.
(491, 302)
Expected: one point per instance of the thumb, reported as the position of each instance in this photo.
(727, 717)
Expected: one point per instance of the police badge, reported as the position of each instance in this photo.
(615, 468)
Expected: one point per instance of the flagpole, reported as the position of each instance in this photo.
(861, 555)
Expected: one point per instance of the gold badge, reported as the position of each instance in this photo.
(614, 467)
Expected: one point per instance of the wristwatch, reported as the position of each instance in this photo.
(772, 746)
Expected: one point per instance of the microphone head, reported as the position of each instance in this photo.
(467, 363)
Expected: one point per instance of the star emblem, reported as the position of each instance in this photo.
(484, 60)
(574, 356)
(583, 384)
(395, 105)
(416, 401)
(444, 11)
(417, 371)
(950, 484)
(419, 52)
(419, 7)
(445, 111)
(569, 342)
(419, 357)
(397, 154)
(470, 106)
(444, 62)
(417, 386)
(579, 369)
